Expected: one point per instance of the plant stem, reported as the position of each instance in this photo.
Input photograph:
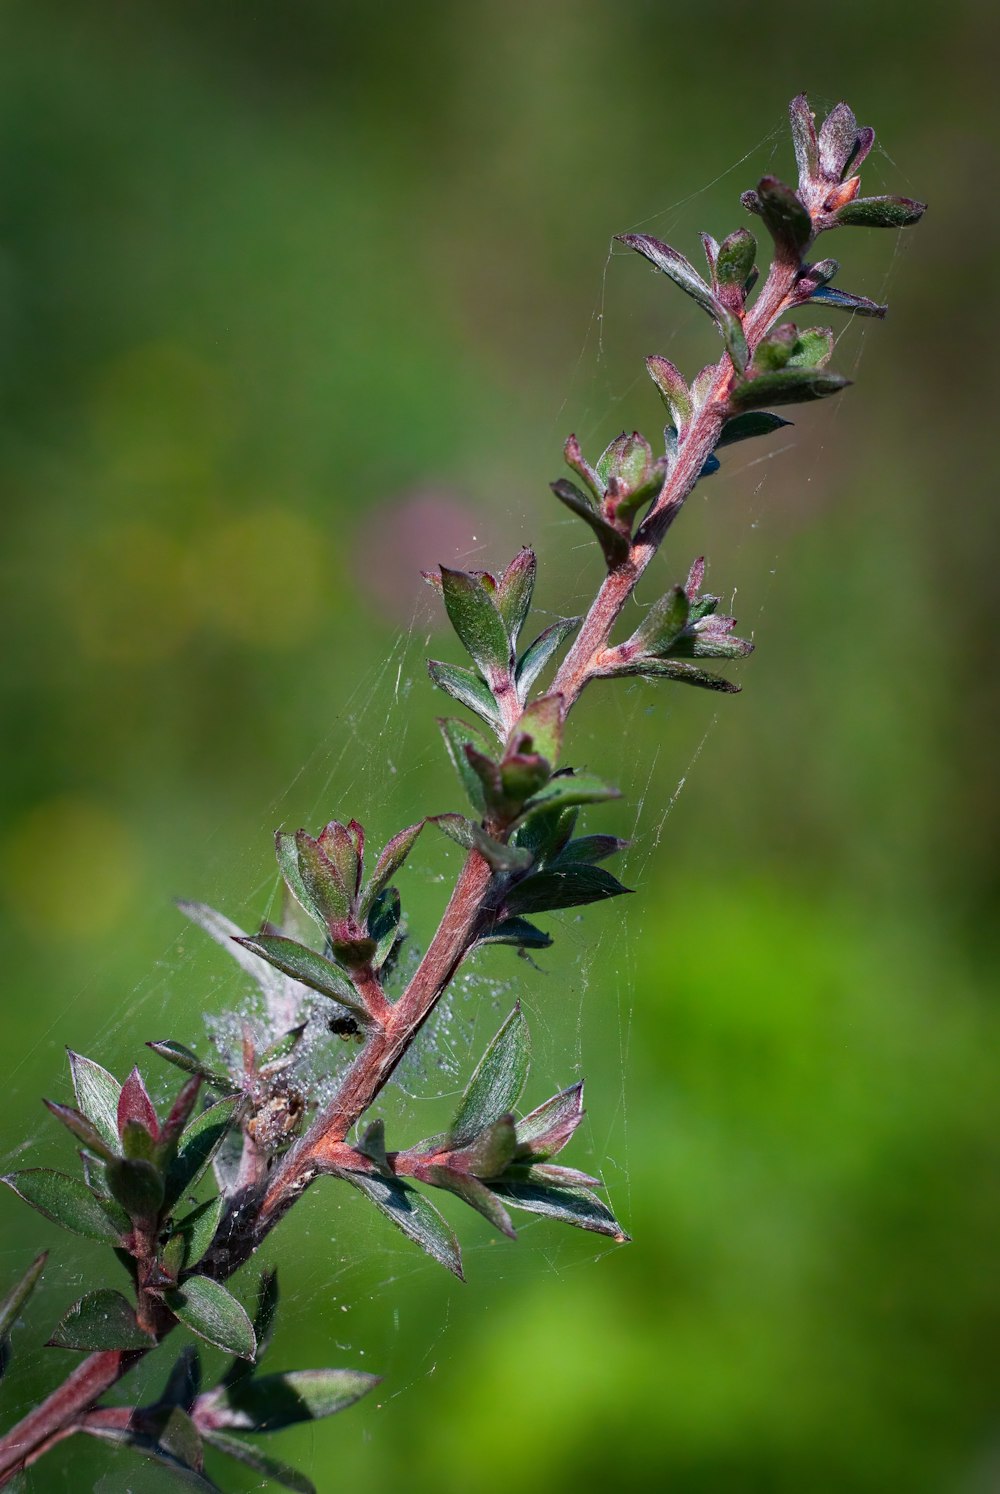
(59, 1414)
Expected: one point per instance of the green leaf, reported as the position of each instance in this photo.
(844, 301)
(588, 850)
(880, 212)
(308, 967)
(184, 1381)
(252, 1457)
(265, 1312)
(672, 388)
(98, 1322)
(500, 856)
(457, 735)
(572, 788)
(496, 1085)
(734, 337)
(614, 545)
(752, 423)
(474, 616)
(813, 348)
(411, 1213)
(199, 1143)
(267, 1403)
(324, 884)
(465, 686)
(383, 924)
(537, 654)
(546, 830)
(475, 1194)
(674, 265)
(786, 386)
(663, 623)
(287, 850)
(786, 217)
(176, 1053)
(97, 1093)
(208, 1309)
(138, 1186)
(516, 931)
(70, 1203)
(10, 1307)
(736, 258)
(457, 827)
(578, 1206)
(198, 1229)
(390, 860)
(572, 887)
(514, 591)
(178, 1440)
(680, 673)
(489, 1154)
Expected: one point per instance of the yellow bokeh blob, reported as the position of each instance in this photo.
(68, 869)
(263, 578)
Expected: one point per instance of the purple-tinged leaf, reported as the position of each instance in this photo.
(564, 887)
(473, 614)
(547, 1129)
(844, 301)
(577, 463)
(489, 1154)
(627, 461)
(475, 1194)
(735, 339)
(183, 1058)
(178, 1117)
(70, 1203)
(838, 142)
(135, 1105)
(753, 423)
(786, 386)
(82, 1129)
(537, 654)
(340, 845)
(786, 216)
(542, 721)
(97, 1094)
(881, 212)
(208, 1309)
(309, 968)
(577, 1206)
(672, 388)
(496, 1085)
(613, 543)
(804, 138)
(199, 1144)
(711, 249)
(514, 591)
(252, 1457)
(98, 1322)
(751, 202)
(560, 1177)
(411, 1213)
(267, 1403)
(680, 270)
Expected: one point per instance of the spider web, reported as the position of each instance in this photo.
(371, 1271)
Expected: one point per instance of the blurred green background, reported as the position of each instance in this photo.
(296, 298)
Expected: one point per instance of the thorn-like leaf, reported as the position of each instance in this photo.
(308, 967)
(208, 1309)
(69, 1203)
(97, 1094)
(411, 1213)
